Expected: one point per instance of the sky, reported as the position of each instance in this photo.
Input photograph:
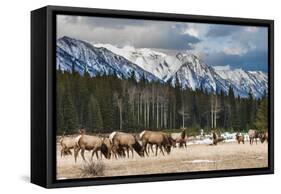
(223, 46)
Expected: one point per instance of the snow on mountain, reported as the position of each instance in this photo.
(158, 63)
(186, 68)
(193, 73)
(86, 57)
(244, 82)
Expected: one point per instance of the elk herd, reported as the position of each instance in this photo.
(121, 144)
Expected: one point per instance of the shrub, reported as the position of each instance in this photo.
(90, 169)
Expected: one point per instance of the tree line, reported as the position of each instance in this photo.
(105, 103)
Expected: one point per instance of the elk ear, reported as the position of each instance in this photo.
(82, 131)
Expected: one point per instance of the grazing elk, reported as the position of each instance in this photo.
(67, 143)
(180, 138)
(90, 143)
(216, 138)
(116, 151)
(240, 138)
(157, 138)
(121, 141)
(253, 136)
(264, 137)
(106, 147)
(171, 143)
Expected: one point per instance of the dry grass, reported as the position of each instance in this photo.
(192, 158)
(92, 169)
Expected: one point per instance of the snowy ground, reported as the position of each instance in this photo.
(207, 139)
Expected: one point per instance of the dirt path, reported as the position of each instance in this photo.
(192, 158)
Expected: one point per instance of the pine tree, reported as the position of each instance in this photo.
(69, 113)
(94, 120)
(261, 121)
(59, 109)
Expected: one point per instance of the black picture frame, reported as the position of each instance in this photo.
(43, 85)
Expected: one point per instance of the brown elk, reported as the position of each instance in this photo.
(157, 138)
(216, 138)
(253, 136)
(264, 136)
(121, 141)
(90, 143)
(180, 138)
(106, 147)
(172, 143)
(240, 138)
(67, 143)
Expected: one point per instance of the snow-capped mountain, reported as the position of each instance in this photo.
(187, 68)
(244, 82)
(193, 73)
(86, 57)
(159, 64)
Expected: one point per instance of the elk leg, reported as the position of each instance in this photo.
(151, 147)
(101, 154)
(114, 151)
(115, 154)
(97, 154)
(156, 150)
(132, 150)
(82, 153)
(76, 150)
(93, 153)
(61, 152)
(145, 150)
(161, 149)
(68, 152)
(127, 149)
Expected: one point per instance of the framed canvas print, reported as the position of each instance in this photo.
(125, 96)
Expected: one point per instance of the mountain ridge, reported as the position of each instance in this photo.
(189, 69)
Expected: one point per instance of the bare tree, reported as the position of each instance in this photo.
(184, 110)
(215, 110)
(119, 101)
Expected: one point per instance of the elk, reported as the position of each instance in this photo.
(172, 143)
(67, 143)
(240, 138)
(157, 138)
(106, 147)
(264, 137)
(90, 143)
(180, 138)
(125, 141)
(216, 138)
(253, 136)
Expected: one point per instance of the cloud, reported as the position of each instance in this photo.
(217, 44)
(222, 68)
(234, 50)
(253, 60)
(122, 32)
(222, 30)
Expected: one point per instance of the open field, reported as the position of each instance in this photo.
(193, 158)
